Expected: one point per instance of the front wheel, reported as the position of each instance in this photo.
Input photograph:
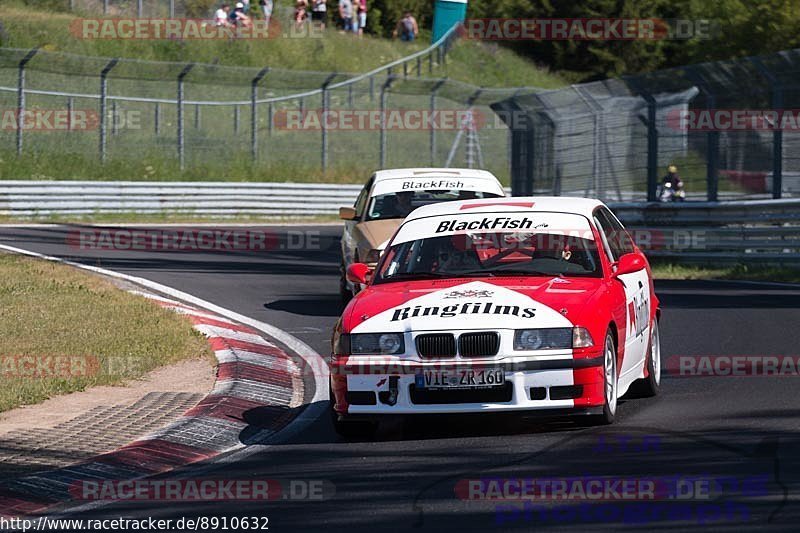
(610, 379)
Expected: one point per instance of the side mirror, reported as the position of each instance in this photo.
(347, 213)
(357, 273)
(628, 264)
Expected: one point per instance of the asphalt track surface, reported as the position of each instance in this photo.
(743, 432)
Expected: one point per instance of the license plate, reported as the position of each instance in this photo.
(460, 379)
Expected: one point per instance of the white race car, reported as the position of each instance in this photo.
(389, 196)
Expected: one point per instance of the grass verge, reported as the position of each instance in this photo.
(65, 330)
(739, 272)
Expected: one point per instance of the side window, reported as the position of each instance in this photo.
(361, 201)
(603, 236)
(625, 241)
(612, 240)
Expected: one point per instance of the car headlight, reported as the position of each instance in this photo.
(376, 343)
(552, 338)
(373, 256)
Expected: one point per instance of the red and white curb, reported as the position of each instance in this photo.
(259, 391)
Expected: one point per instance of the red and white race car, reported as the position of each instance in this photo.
(508, 304)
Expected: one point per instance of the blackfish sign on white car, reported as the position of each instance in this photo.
(529, 304)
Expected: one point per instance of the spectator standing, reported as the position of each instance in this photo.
(346, 13)
(300, 14)
(319, 12)
(361, 17)
(221, 16)
(266, 9)
(407, 28)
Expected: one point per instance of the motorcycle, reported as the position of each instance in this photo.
(670, 193)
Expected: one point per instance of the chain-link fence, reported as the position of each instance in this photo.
(612, 139)
(730, 127)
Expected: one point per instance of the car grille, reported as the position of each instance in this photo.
(436, 345)
(478, 344)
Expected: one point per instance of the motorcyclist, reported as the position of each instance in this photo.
(672, 186)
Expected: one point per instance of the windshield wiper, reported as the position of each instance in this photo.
(415, 275)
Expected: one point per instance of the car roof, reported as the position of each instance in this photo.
(399, 173)
(556, 204)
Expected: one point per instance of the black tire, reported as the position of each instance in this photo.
(344, 291)
(611, 377)
(649, 386)
(351, 429)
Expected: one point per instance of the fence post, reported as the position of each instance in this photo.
(419, 66)
(323, 124)
(105, 7)
(157, 118)
(777, 134)
(270, 117)
(114, 122)
(371, 89)
(171, 8)
(70, 106)
(712, 145)
(181, 140)
(21, 97)
(103, 104)
(432, 133)
(139, 8)
(384, 89)
(236, 119)
(197, 116)
(254, 112)
(652, 137)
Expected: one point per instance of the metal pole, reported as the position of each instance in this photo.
(236, 119)
(21, 97)
(114, 124)
(432, 133)
(103, 95)
(197, 116)
(419, 66)
(270, 117)
(712, 148)
(371, 89)
(157, 118)
(652, 138)
(171, 8)
(105, 7)
(324, 127)
(139, 8)
(430, 63)
(405, 69)
(70, 107)
(254, 112)
(384, 90)
(181, 140)
(777, 134)
(350, 96)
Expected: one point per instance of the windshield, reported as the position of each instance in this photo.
(491, 254)
(400, 204)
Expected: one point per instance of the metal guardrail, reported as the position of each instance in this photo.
(735, 231)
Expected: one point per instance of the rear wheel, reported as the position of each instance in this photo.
(649, 386)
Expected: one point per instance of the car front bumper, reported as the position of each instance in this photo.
(384, 388)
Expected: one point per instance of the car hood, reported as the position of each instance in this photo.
(505, 302)
(377, 232)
